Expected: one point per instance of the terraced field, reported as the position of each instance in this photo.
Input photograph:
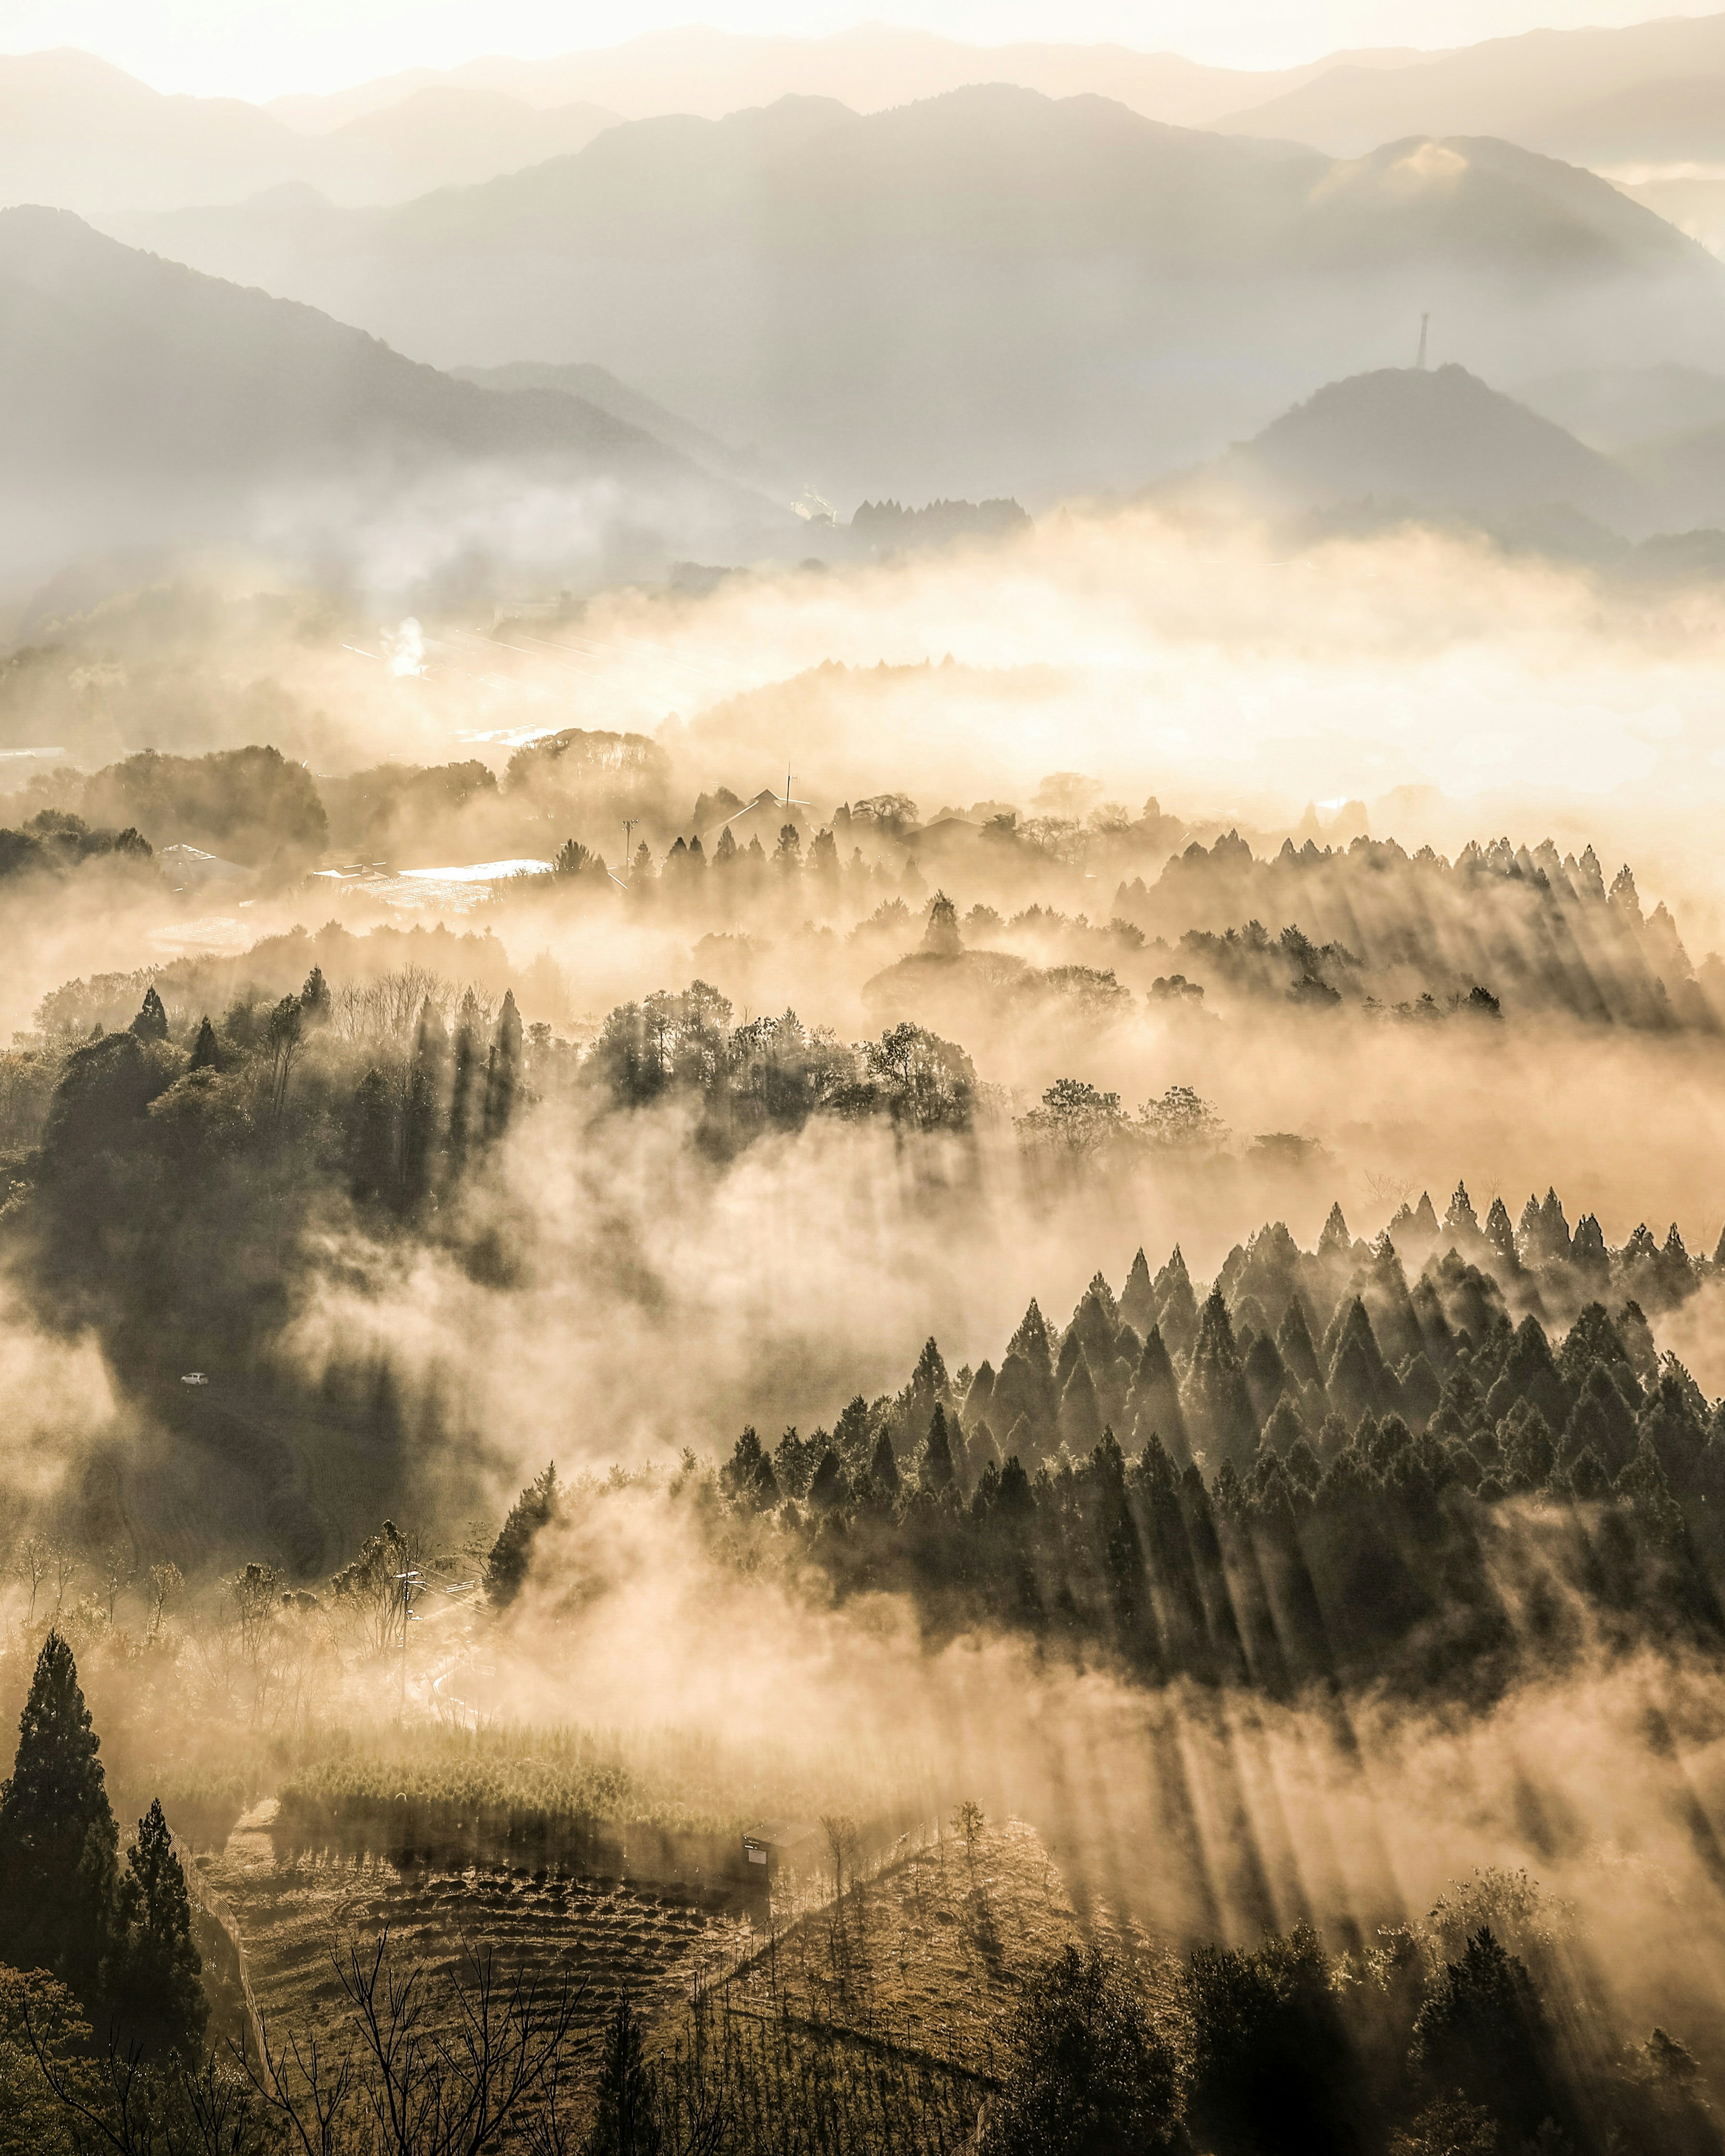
(292, 1912)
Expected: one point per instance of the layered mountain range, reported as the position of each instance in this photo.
(990, 292)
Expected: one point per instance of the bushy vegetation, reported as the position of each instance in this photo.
(506, 1785)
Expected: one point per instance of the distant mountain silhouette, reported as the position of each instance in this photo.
(708, 72)
(1437, 440)
(1612, 408)
(138, 396)
(987, 293)
(598, 386)
(1654, 91)
(80, 135)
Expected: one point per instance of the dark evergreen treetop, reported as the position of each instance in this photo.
(160, 1998)
(59, 1846)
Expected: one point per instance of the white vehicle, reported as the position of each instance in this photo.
(194, 1378)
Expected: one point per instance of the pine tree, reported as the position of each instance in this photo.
(1293, 1343)
(941, 938)
(626, 2115)
(1153, 1408)
(929, 1381)
(937, 1470)
(159, 1989)
(371, 1137)
(1176, 1306)
(151, 1022)
(1359, 1381)
(59, 1846)
(827, 1486)
(1080, 1421)
(1137, 1299)
(1219, 1409)
(883, 1468)
(424, 1113)
(206, 1055)
(315, 1000)
(506, 1569)
(464, 1106)
(503, 1072)
(1031, 1340)
(1482, 2030)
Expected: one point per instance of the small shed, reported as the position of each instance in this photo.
(774, 1844)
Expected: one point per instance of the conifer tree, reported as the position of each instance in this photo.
(1219, 1409)
(937, 1469)
(151, 1022)
(826, 1486)
(371, 1137)
(206, 1056)
(1265, 1375)
(1080, 1422)
(941, 938)
(159, 1991)
(626, 2114)
(424, 1116)
(883, 1468)
(1152, 1407)
(981, 1393)
(1176, 1306)
(1137, 1299)
(1335, 1236)
(464, 1103)
(1293, 1343)
(1359, 1381)
(929, 1381)
(315, 999)
(1031, 1340)
(59, 1846)
(503, 1072)
(506, 1569)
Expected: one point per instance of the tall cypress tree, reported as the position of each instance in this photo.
(59, 1846)
(159, 1988)
(424, 1113)
(151, 1022)
(1219, 1409)
(626, 2117)
(937, 1472)
(464, 1103)
(503, 1074)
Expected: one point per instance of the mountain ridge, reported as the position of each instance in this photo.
(136, 394)
(843, 289)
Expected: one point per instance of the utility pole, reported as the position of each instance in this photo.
(1419, 364)
(628, 829)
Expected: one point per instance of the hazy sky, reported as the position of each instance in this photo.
(261, 48)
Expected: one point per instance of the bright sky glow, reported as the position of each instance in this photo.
(262, 49)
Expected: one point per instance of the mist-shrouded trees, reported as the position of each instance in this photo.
(1091, 2074)
(158, 1989)
(512, 1552)
(626, 2108)
(118, 1938)
(1300, 1513)
(59, 1844)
